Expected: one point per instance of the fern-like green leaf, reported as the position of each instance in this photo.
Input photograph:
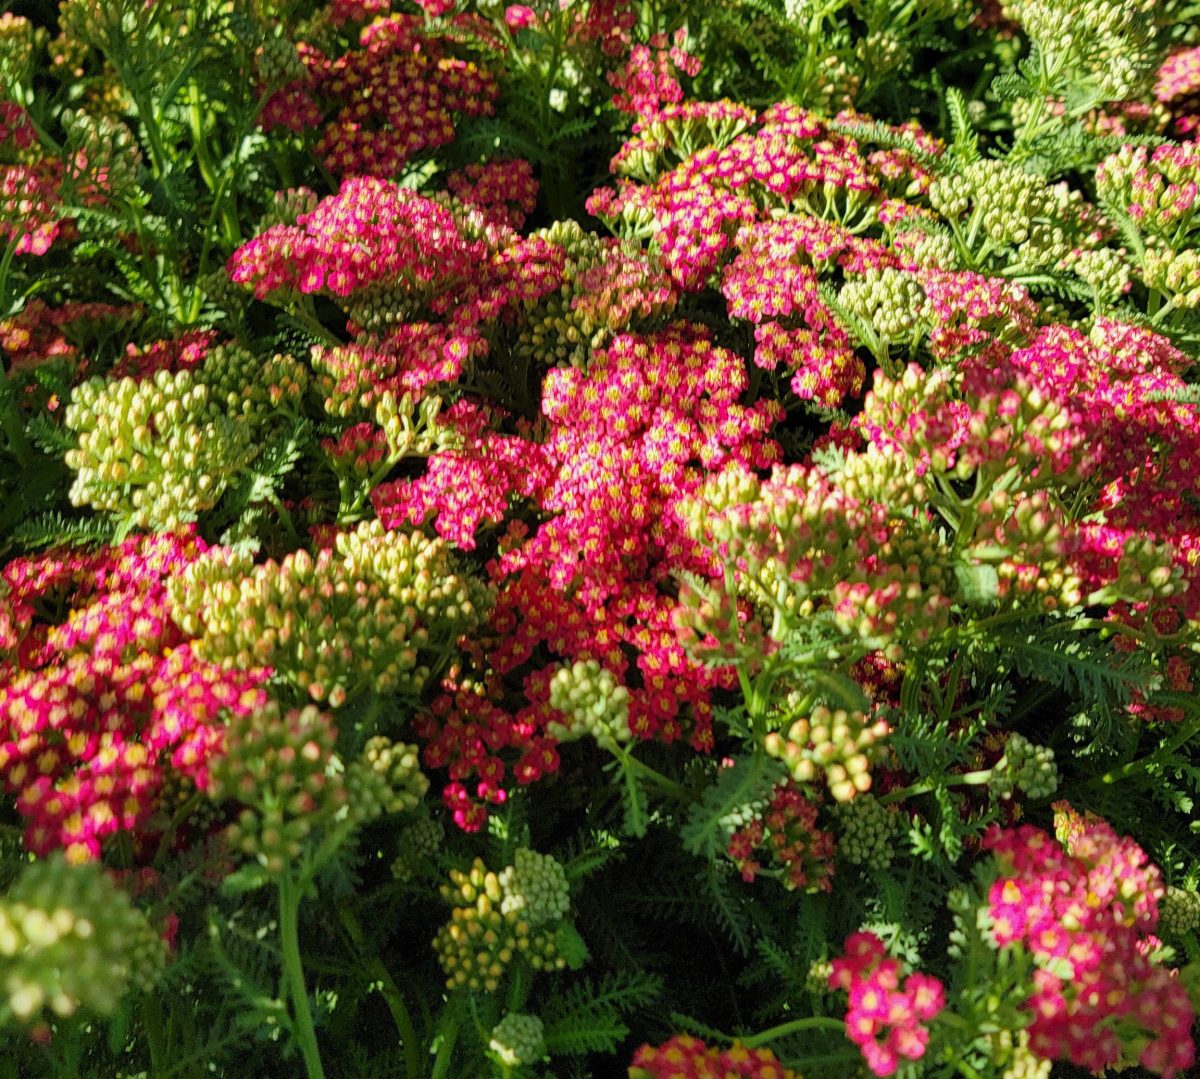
(733, 800)
(588, 1018)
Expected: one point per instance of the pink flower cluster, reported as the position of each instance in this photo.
(1086, 914)
(369, 233)
(95, 709)
(1178, 86)
(648, 80)
(30, 207)
(887, 1017)
(792, 166)
(772, 283)
(620, 447)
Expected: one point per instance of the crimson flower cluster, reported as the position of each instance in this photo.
(687, 1057)
(380, 103)
(789, 834)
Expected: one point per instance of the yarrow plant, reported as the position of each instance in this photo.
(577, 539)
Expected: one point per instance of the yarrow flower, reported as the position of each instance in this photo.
(498, 918)
(685, 1057)
(70, 938)
(1084, 910)
(887, 1017)
(787, 832)
(97, 709)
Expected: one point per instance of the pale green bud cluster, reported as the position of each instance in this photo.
(1112, 41)
(816, 981)
(1105, 270)
(1176, 273)
(386, 778)
(160, 450)
(593, 702)
(889, 301)
(1146, 570)
(378, 610)
(518, 1039)
(281, 767)
(1027, 540)
(1004, 207)
(1010, 1050)
(890, 479)
(1025, 767)
(882, 51)
(1179, 911)
(71, 938)
(838, 745)
(836, 84)
(479, 942)
(602, 292)
(535, 887)
(866, 833)
(555, 335)
(18, 39)
(930, 247)
(277, 62)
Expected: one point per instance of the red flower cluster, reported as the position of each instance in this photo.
(788, 830)
(39, 333)
(886, 1018)
(1085, 913)
(685, 1057)
(395, 95)
(504, 191)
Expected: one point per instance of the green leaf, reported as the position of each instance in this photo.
(839, 690)
(571, 946)
(636, 818)
(587, 1019)
(248, 878)
(980, 584)
(732, 801)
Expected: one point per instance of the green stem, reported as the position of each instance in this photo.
(152, 1021)
(217, 185)
(158, 151)
(293, 975)
(1142, 764)
(665, 783)
(812, 1022)
(448, 1035)
(967, 779)
(391, 995)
